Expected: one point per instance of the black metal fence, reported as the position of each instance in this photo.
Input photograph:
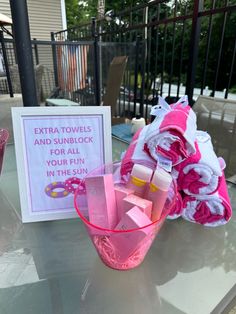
(76, 70)
(42, 54)
(95, 58)
(188, 48)
(172, 48)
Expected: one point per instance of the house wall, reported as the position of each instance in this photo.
(45, 16)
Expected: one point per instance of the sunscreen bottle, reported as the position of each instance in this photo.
(157, 192)
(137, 123)
(139, 179)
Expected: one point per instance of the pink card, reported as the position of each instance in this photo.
(134, 200)
(125, 244)
(121, 192)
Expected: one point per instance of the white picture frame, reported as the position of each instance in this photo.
(52, 145)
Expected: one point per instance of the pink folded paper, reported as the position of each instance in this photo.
(172, 133)
(135, 154)
(201, 173)
(209, 210)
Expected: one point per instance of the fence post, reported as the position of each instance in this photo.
(6, 64)
(54, 58)
(193, 49)
(21, 27)
(144, 60)
(96, 64)
(137, 46)
(36, 51)
(143, 76)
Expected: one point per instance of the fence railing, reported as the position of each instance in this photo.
(172, 50)
(78, 70)
(42, 55)
(191, 45)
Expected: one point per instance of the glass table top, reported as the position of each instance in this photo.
(53, 268)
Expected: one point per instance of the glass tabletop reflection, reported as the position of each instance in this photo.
(52, 267)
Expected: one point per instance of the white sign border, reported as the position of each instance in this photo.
(18, 113)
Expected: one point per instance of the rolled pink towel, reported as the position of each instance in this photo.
(172, 134)
(135, 153)
(200, 173)
(174, 202)
(177, 208)
(209, 210)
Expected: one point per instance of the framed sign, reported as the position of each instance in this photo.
(55, 148)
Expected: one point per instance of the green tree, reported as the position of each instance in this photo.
(160, 37)
(214, 48)
(78, 12)
(82, 11)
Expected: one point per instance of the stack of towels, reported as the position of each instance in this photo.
(173, 142)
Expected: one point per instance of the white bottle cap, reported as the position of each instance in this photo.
(142, 172)
(162, 179)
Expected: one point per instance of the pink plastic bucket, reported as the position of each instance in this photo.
(109, 243)
(3, 140)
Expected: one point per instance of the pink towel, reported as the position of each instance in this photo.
(200, 173)
(174, 203)
(177, 209)
(209, 210)
(172, 133)
(136, 154)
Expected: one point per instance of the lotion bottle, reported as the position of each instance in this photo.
(157, 192)
(139, 179)
(137, 123)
